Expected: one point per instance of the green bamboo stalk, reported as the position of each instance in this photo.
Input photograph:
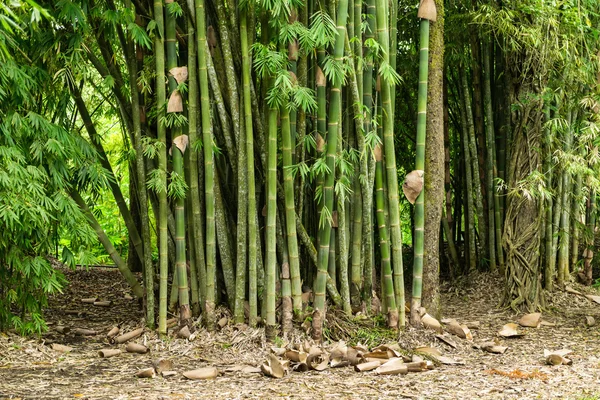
(489, 161)
(290, 211)
(420, 160)
(575, 214)
(470, 208)
(367, 165)
(242, 230)
(138, 291)
(357, 50)
(180, 246)
(390, 160)
(196, 230)
(393, 28)
(565, 220)
(224, 241)
(384, 245)
(343, 258)
(476, 182)
(293, 67)
(332, 264)
(271, 259)
(140, 170)
(556, 214)
(162, 225)
(252, 217)
(333, 126)
(550, 255)
(209, 307)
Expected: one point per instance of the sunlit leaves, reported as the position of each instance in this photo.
(139, 35)
(389, 74)
(323, 29)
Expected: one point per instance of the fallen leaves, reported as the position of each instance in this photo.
(510, 330)
(532, 320)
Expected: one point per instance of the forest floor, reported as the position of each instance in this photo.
(30, 368)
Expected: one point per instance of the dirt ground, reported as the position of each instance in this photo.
(30, 368)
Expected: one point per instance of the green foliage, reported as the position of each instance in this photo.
(39, 161)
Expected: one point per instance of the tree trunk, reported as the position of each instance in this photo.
(434, 165)
(523, 214)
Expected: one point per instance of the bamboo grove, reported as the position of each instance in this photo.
(274, 150)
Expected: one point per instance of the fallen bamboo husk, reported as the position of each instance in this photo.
(428, 350)
(300, 367)
(146, 373)
(162, 364)
(107, 353)
(378, 354)
(532, 320)
(492, 347)
(354, 356)
(184, 333)
(273, 367)
(447, 360)
(61, 348)
(296, 356)
(462, 331)
(394, 366)
(127, 336)
(278, 351)
(104, 303)
(338, 363)
(136, 348)
(557, 357)
(89, 300)
(250, 370)
(593, 298)
(84, 332)
(368, 366)
(446, 339)
(429, 322)
(417, 366)
(202, 373)
(63, 329)
(317, 360)
(392, 349)
(339, 351)
(113, 332)
(510, 331)
(166, 374)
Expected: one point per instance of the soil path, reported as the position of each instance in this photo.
(30, 368)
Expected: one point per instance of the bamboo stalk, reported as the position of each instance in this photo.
(177, 154)
(196, 232)
(163, 234)
(207, 140)
(290, 213)
(384, 245)
(251, 210)
(420, 162)
(333, 126)
(489, 167)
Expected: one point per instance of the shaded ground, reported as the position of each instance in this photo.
(29, 368)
